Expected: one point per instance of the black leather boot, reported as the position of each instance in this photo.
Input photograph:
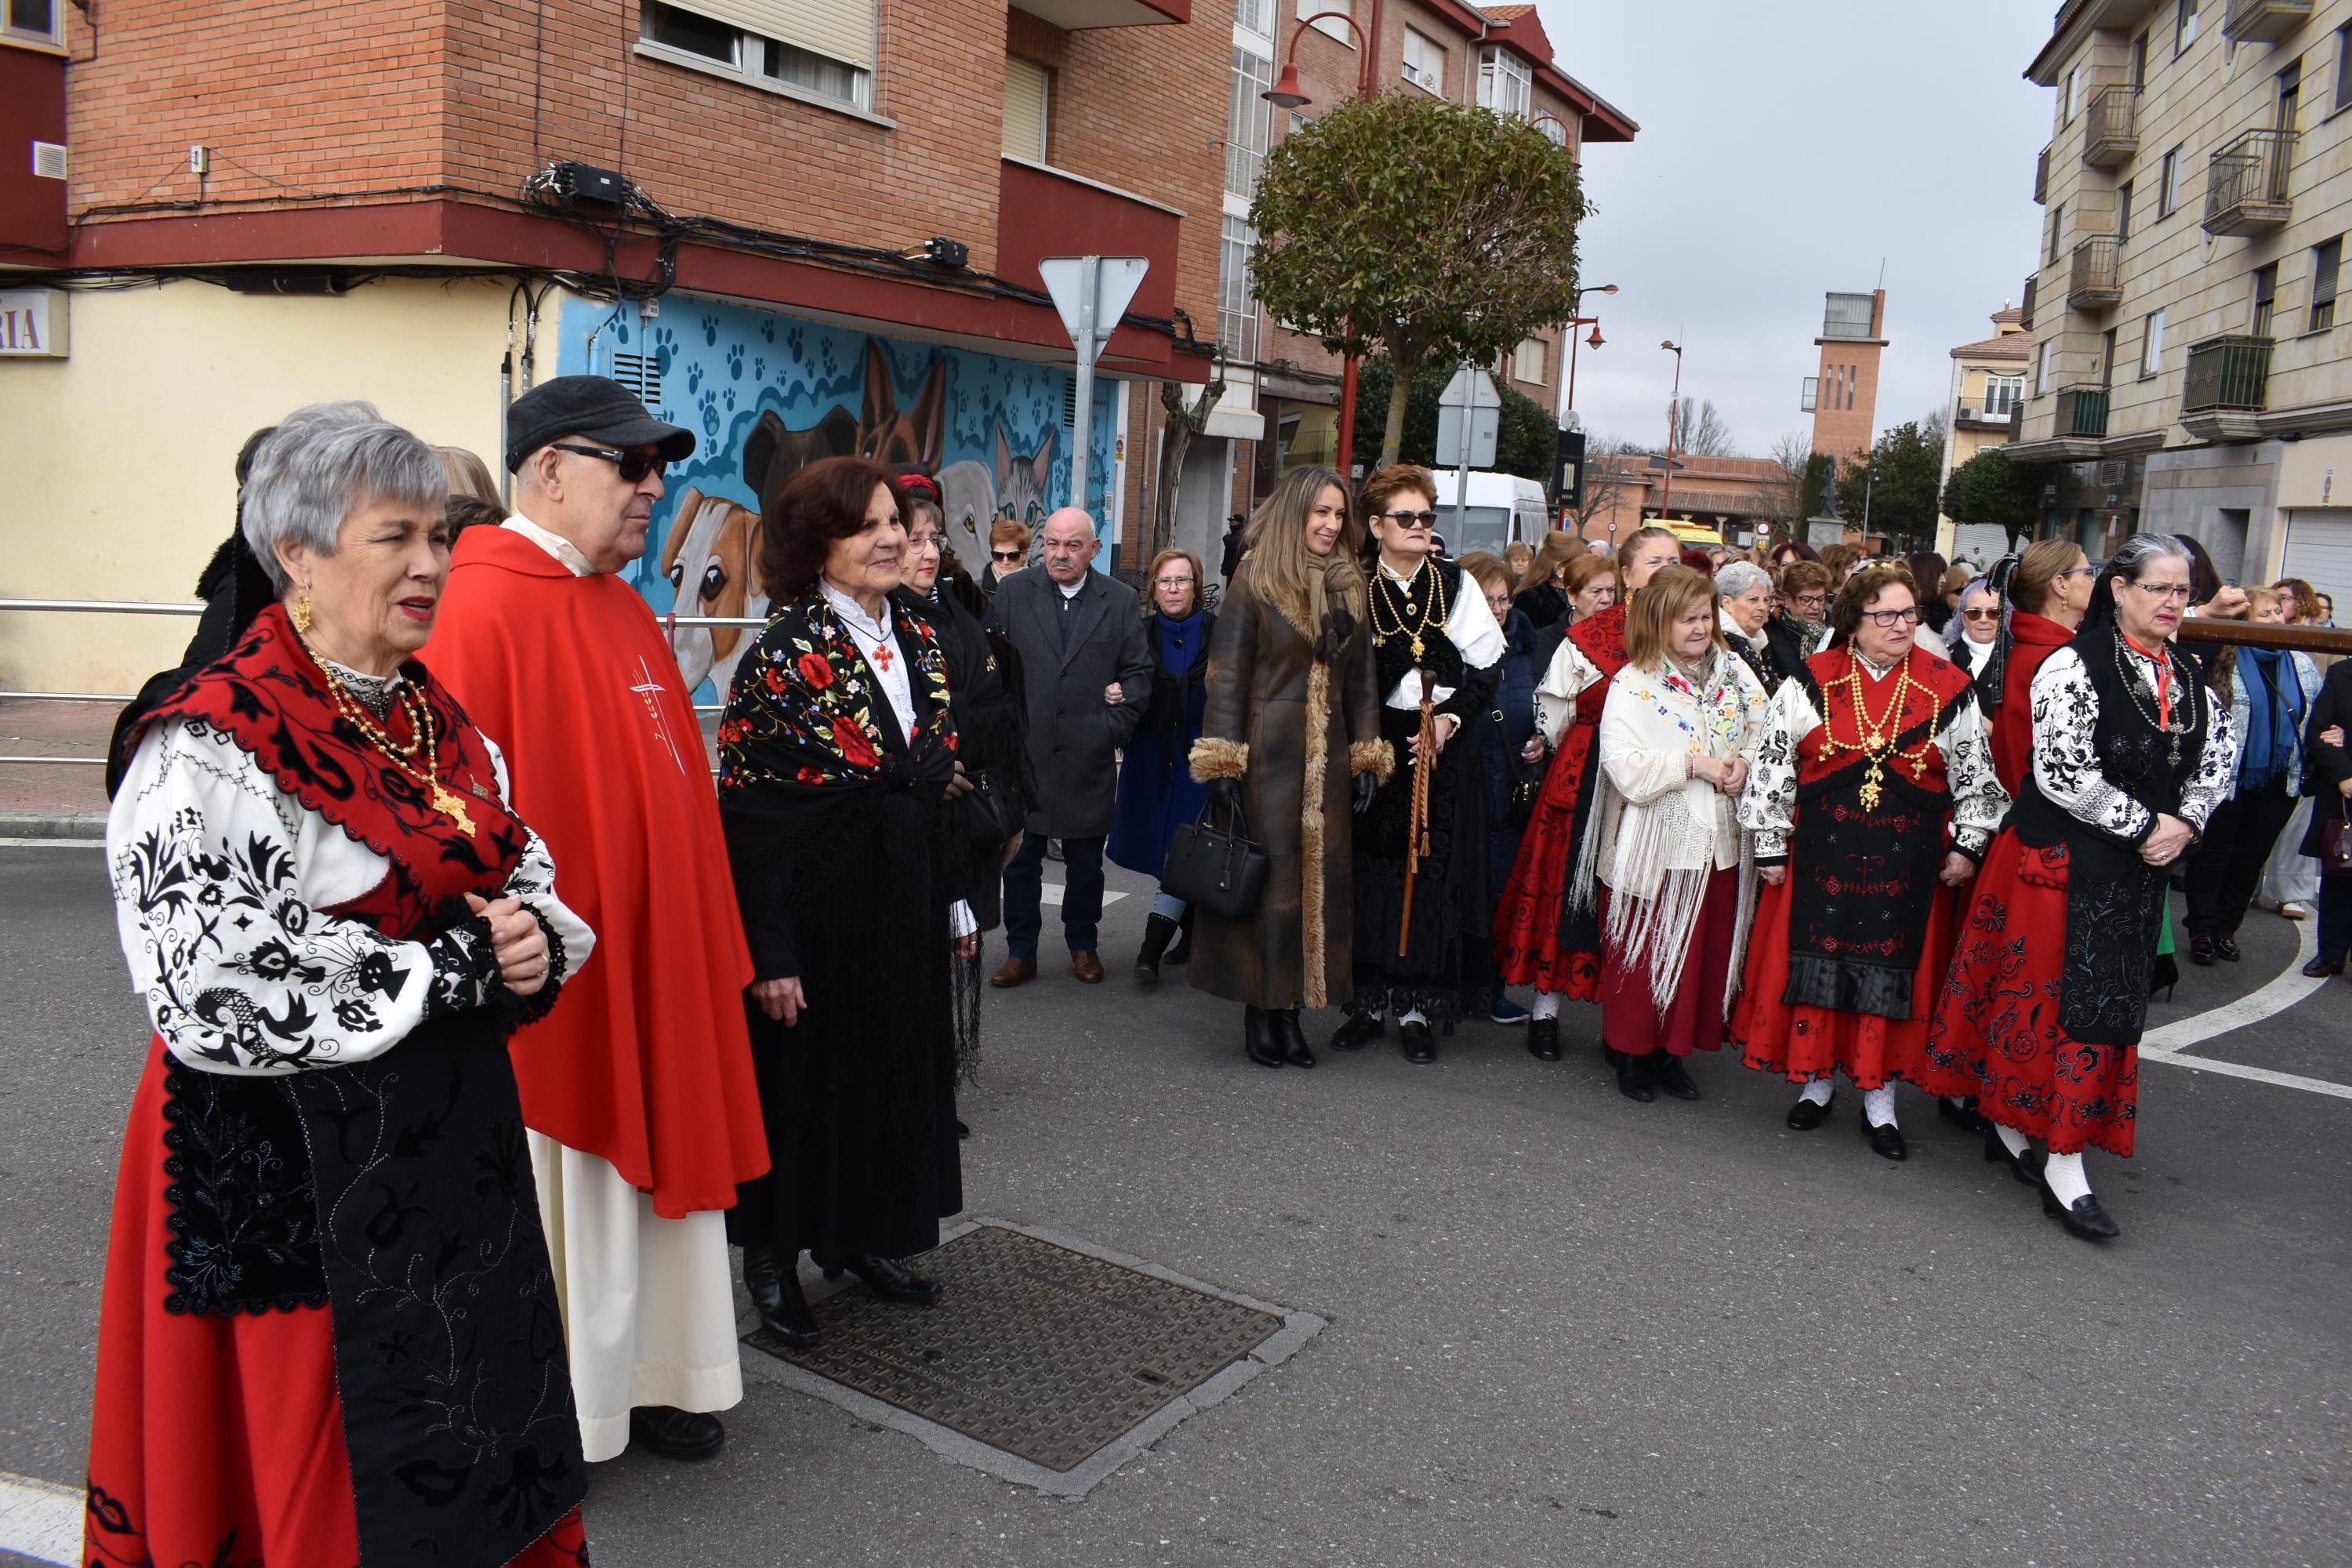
(1157, 933)
(1543, 1039)
(775, 1289)
(1290, 1036)
(1636, 1077)
(1258, 1036)
(1183, 951)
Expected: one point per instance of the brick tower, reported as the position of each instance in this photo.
(1843, 398)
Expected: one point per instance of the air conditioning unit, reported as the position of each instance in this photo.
(2112, 470)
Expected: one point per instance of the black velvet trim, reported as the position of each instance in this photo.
(244, 1219)
(1842, 986)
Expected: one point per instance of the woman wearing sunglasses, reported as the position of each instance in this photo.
(1873, 772)
(1008, 552)
(1968, 640)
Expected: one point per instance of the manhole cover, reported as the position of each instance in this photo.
(1033, 1349)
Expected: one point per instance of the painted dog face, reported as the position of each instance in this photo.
(894, 439)
(711, 559)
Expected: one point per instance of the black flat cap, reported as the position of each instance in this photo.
(595, 408)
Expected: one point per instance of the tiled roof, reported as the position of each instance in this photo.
(2009, 346)
(1505, 12)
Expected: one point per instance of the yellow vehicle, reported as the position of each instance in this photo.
(1696, 534)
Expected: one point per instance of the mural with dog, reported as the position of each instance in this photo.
(766, 393)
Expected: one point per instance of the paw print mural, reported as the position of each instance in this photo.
(710, 331)
(709, 402)
(694, 378)
(734, 362)
(760, 367)
(768, 331)
(662, 344)
(728, 397)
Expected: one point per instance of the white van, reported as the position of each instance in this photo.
(1500, 508)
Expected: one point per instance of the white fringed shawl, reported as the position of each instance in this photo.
(1660, 832)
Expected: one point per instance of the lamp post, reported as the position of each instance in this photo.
(1674, 413)
(1288, 93)
(1580, 319)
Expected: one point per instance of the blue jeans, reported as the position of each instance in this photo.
(1082, 894)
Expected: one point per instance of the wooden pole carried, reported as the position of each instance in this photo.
(1416, 839)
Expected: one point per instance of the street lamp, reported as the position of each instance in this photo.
(1674, 411)
(1288, 92)
(1582, 320)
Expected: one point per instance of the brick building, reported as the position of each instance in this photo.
(1499, 57)
(1842, 395)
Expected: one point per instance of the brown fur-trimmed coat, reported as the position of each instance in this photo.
(1293, 731)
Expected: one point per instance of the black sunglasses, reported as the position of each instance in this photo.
(1412, 518)
(632, 466)
(1004, 555)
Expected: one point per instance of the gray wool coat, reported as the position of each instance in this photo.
(1074, 735)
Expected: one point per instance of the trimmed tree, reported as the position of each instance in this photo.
(1990, 488)
(1442, 232)
(1523, 441)
(1895, 484)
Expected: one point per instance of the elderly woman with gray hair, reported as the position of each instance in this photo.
(1743, 599)
(325, 1334)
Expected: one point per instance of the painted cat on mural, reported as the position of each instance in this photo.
(1021, 488)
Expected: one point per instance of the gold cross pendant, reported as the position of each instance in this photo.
(1870, 790)
(447, 803)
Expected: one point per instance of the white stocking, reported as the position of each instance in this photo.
(1411, 1015)
(1818, 1093)
(2012, 1140)
(1878, 1105)
(1547, 1004)
(2064, 1173)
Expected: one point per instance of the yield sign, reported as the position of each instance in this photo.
(1091, 314)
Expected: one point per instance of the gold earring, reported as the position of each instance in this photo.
(300, 613)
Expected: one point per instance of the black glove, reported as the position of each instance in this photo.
(1367, 787)
(1225, 795)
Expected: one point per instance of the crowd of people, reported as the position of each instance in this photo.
(484, 1023)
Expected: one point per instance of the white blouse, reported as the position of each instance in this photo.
(1469, 625)
(2067, 762)
(1650, 730)
(219, 877)
(1564, 681)
(1768, 807)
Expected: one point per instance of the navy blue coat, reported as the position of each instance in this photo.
(1499, 742)
(1157, 792)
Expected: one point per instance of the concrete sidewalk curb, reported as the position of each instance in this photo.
(52, 825)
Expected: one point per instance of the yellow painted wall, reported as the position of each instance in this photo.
(119, 480)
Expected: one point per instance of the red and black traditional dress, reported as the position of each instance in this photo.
(1866, 779)
(2040, 1015)
(329, 1334)
(1547, 923)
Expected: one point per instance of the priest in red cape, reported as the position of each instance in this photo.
(638, 1089)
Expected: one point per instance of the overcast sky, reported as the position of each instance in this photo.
(1785, 150)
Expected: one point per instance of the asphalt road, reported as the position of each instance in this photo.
(1566, 1328)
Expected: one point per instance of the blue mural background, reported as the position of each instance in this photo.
(716, 368)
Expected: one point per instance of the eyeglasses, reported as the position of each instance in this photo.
(2178, 593)
(1171, 582)
(1979, 615)
(1815, 600)
(1887, 620)
(1004, 555)
(2080, 572)
(922, 541)
(1412, 518)
(634, 466)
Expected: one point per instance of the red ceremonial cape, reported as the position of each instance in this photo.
(646, 1061)
(2033, 639)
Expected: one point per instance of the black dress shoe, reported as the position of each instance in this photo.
(1289, 1038)
(1673, 1078)
(2225, 946)
(1543, 1039)
(1258, 1036)
(2201, 950)
(675, 1434)
(1961, 1114)
(1885, 1139)
(776, 1297)
(1420, 1045)
(1636, 1078)
(2084, 1217)
(890, 1281)
(1359, 1030)
(2025, 1167)
(1807, 1114)
(2321, 968)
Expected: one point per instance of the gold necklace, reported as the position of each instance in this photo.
(1878, 736)
(420, 718)
(1434, 614)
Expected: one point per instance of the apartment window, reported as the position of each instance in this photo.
(2184, 26)
(1237, 305)
(1330, 25)
(1027, 86)
(1809, 397)
(2327, 260)
(2107, 355)
(2265, 299)
(2344, 67)
(34, 22)
(1528, 363)
(1425, 63)
(2074, 99)
(2057, 231)
(2151, 344)
(2123, 212)
(2139, 63)
(1248, 121)
(2042, 368)
(2002, 394)
(1507, 83)
(823, 48)
(2290, 95)
(2168, 190)
(1254, 16)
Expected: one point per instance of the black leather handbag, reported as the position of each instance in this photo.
(2335, 842)
(1220, 871)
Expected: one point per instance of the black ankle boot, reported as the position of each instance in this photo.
(1183, 951)
(1290, 1038)
(1157, 933)
(1258, 1036)
(1636, 1077)
(775, 1287)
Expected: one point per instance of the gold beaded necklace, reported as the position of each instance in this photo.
(1434, 614)
(420, 718)
(1879, 735)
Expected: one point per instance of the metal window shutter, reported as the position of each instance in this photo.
(838, 29)
(1024, 108)
(2319, 551)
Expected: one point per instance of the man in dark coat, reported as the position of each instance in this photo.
(1085, 680)
(1235, 526)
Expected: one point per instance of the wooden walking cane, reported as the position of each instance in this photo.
(1416, 838)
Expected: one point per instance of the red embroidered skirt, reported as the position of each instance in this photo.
(1774, 1035)
(1527, 947)
(1996, 1033)
(217, 1439)
(1630, 1018)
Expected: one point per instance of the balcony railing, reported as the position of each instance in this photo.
(2110, 131)
(2025, 305)
(2265, 21)
(1980, 413)
(2094, 282)
(2245, 184)
(2041, 176)
(2082, 411)
(2231, 371)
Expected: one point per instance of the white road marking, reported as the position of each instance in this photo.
(1052, 894)
(2259, 1075)
(2166, 1045)
(40, 1519)
(45, 843)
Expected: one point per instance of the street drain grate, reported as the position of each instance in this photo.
(1045, 1352)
